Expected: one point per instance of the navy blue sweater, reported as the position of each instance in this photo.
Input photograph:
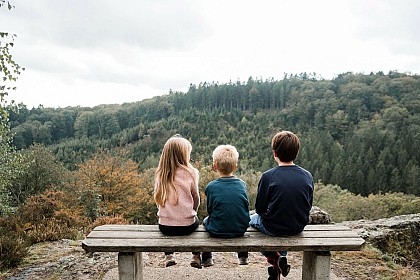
(227, 207)
(284, 199)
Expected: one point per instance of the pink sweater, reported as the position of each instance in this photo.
(183, 213)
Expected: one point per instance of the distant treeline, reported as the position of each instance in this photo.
(358, 131)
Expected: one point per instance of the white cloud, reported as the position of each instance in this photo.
(56, 91)
(393, 24)
(91, 24)
(76, 49)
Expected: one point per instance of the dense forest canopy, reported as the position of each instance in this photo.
(361, 132)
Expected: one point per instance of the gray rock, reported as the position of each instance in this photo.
(398, 236)
(318, 216)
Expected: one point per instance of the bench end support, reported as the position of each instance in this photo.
(130, 266)
(316, 266)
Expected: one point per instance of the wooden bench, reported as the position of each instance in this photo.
(316, 242)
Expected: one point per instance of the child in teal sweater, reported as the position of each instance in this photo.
(227, 202)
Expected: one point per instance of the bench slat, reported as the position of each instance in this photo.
(223, 245)
(201, 235)
(201, 228)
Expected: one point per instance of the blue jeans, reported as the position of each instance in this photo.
(256, 222)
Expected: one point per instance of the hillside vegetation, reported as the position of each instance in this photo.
(80, 167)
(360, 132)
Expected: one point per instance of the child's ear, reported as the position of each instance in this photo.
(275, 154)
(234, 168)
(215, 167)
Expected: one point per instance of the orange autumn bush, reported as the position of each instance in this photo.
(107, 220)
(46, 217)
(111, 185)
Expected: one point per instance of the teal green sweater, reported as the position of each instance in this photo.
(227, 207)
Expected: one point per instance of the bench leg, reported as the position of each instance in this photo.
(316, 266)
(130, 266)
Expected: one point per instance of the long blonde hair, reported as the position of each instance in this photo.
(176, 154)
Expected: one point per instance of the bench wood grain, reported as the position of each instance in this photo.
(316, 241)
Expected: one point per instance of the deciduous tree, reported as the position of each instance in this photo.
(116, 181)
(10, 71)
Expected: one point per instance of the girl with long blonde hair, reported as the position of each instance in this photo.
(176, 193)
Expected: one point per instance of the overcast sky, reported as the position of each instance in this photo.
(103, 52)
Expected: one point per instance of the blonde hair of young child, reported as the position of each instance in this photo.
(176, 154)
(225, 158)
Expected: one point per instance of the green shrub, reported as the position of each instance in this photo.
(343, 205)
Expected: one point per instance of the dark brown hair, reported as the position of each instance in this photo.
(286, 145)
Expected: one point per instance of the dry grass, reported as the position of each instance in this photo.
(370, 264)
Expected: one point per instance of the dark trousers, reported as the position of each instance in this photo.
(178, 231)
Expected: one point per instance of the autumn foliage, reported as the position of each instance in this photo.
(46, 217)
(111, 185)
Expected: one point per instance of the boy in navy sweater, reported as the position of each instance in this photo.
(284, 199)
(227, 202)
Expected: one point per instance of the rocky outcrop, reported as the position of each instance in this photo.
(398, 236)
(318, 216)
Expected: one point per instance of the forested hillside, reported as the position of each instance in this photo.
(361, 132)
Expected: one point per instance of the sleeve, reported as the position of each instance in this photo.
(194, 190)
(154, 191)
(209, 203)
(246, 193)
(312, 192)
(261, 202)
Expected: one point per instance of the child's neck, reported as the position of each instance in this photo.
(286, 163)
(225, 175)
(282, 163)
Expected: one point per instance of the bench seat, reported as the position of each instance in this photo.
(316, 241)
